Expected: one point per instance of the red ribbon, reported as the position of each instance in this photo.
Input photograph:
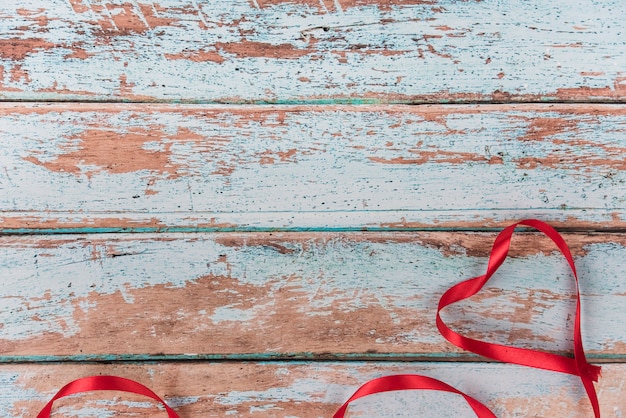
(577, 366)
(407, 382)
(91, 383)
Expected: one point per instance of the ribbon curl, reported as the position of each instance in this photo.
(408, 382)
(91, 383)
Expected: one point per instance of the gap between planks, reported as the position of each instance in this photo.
(326, 102)
(204, 230)
(281, 357)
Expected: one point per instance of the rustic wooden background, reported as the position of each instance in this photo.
(253, 206)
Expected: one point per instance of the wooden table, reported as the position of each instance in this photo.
(253, 207)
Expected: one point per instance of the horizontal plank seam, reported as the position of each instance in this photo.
(279, 357)
(326, 102)
(183, 230)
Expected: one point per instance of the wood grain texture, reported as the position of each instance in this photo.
(288, 205)
(309, 390)
(157, 167)
(312, 51)
(350, 295)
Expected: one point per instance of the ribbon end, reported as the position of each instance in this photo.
(595, 372)
(590, 372)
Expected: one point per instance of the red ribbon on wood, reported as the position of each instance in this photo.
(577, 366)
(91, 383)
(408, 382)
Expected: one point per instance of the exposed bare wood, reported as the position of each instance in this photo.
(275, 213)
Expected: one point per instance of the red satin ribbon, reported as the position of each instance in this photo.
(577, 366)
(91, 383)
(407, 382)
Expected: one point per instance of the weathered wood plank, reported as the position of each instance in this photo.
(153, 167)
(301, 294)
(312, 51)
(309, 390)
(304, 295)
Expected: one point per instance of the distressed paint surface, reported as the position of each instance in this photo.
(312, 51)
(154, 167)
(250, 220)
(307, 390)
(300, 294)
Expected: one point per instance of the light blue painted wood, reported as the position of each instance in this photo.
(151, 168)
(192, 178)
(306, 52)
(165, 294)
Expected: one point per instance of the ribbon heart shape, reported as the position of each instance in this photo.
(577, 366)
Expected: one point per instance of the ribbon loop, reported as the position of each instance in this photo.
(408, 382)
(526, 357)
(93, 383)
